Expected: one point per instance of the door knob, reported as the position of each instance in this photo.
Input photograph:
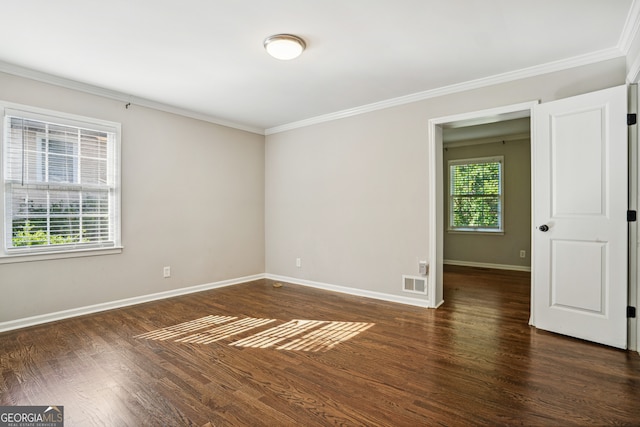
(543, 228)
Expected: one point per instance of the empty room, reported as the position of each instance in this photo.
(297, 213)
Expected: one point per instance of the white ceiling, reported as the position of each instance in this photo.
(206, 56)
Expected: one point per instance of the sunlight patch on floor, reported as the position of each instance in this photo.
(294, 335)
(182, 328)
(327, 336)
(222, 332)
(271, 337)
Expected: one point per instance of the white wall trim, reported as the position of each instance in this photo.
(630, 28)
(487, 265)
(634, 231)
(16, 70)
(565, 64)
(352, 291)
(91, 309)
(630, 35)
(81, 311)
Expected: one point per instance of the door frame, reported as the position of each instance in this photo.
(436, 197)
(435, 227)
(633, 325)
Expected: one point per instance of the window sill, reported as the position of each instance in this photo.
(45, 256)
(478, 232)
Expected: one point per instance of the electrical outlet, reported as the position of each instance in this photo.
(298, 262)
(166, 272)
(523, 254)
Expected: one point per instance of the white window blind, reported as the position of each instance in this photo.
(61, 182)
(475, 194)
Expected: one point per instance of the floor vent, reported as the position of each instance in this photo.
(414, 284)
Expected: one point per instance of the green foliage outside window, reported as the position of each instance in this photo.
(59, 225)
(476, 195)
(29, 235)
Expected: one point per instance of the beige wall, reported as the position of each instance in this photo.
(192, 198)
(349, 197)
(503, 249)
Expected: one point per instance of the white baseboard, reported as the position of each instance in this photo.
(487, 265)
(81, 311)
(352, 291)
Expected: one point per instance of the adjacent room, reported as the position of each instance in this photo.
(337, 213)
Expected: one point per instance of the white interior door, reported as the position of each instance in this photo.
(580, 206)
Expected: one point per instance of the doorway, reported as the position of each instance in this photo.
(579, 184)
(436, 186)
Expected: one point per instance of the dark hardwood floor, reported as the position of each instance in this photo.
(474, 361)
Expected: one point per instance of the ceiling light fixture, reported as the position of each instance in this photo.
(284, 46)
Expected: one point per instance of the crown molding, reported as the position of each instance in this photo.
(550, 67)
(630, 28)
(19, 71)
(630, 35)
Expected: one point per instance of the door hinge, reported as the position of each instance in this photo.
(632, 216)
(632, 119)
(631, 312)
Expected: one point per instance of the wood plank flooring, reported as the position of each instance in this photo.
(474, 361)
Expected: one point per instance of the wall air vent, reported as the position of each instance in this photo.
(414, 284)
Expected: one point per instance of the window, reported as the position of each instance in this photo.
(62, 162)
(475, 194)
(60, 182)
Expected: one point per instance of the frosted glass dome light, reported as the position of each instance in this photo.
(284, 46)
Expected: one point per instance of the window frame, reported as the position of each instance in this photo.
(469, 229)
(44, 252)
